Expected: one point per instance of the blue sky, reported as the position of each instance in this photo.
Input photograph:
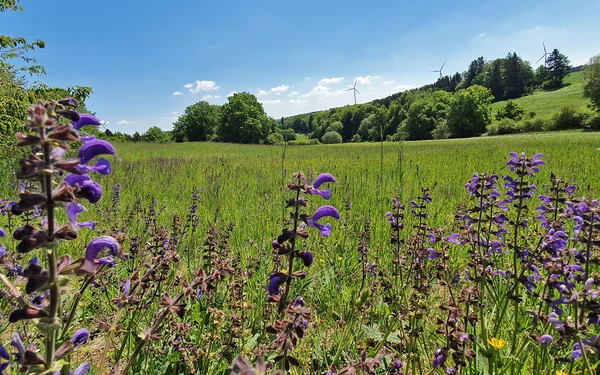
(147, 60)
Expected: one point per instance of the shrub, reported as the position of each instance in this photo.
(567, 118)
(355, 138)
(506, 126)
(533, 125)
(274, 139)
(331, 137)
(592, 123)
(304, 142)
(512, 110)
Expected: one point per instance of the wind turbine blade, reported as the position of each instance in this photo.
(543, 44)
(350, 89)
(355, 82)
(540, 59)
(434, 71)
(357, 91)
(444, 64)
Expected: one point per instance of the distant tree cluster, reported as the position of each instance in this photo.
(241, 120)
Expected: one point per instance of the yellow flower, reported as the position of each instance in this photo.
(284, 271)
(497, 343)
(340, 258)
(321, 260)
(558, 372)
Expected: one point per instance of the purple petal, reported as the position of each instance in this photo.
(326, 194)
(307, 257)
(2, 232)
(324, 211)
(80, 337)
(4, 353)
(93, 148)
(73, 210)
(91, 262)
(73, 179)
(85, 119)
(454, 238)
(323, 178)
(83, 369)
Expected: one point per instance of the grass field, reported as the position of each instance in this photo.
(243, 185)
(546, 103)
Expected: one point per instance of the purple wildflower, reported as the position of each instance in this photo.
(545, 340)
(439, 358)
(454, 238)
(306, 256)
(85, 119)
(320, 213)
(89, 150)
(320, 180)
(91, 262)
(80, 337)
(88, 189)
(73, 211)
(275, 284)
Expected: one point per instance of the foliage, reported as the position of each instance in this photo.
(558, 69)
(331, 137)
(425, 114)
(591, 81)
(198, 123)
(17, 47)
(469, 112)
(512, 110)
(567, 118)
(155, 135)
(243, 120)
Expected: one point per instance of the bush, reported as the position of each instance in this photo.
(506, 126)
(274, 139)
(567, 118)
(533, 125)
(511, 110)
(331, 137)
(355, 138)
(288, 134)
(304, 142)
(592, 123)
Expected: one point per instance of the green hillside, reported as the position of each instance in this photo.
(546, 103)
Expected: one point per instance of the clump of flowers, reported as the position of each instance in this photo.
(64, 184)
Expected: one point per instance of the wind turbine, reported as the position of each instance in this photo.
(355, 90)
(544, 56)
(439, 71)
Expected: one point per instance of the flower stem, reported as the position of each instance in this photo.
(51, 254)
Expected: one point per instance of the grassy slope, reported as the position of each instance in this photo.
(546, 103)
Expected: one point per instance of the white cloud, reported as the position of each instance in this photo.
(307, 78)
(174, 113)
(217, 96)
(125, 122)
(366, 80)
(293, 93)
(261, 92)
(177, 93)
(317, 90)
(277, 101)
(201, 86)
(279, 89)
(482, 34)
(297, 101)
(231, 93)
(404, 87)
(390, 82)
(206, 97)
(328, 81)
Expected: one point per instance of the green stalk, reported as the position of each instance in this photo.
(51, 255)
